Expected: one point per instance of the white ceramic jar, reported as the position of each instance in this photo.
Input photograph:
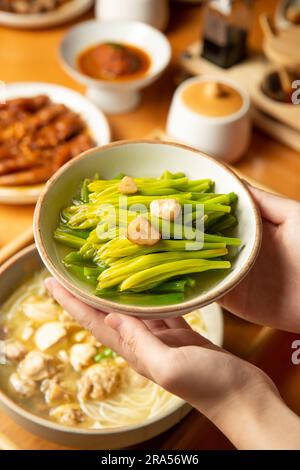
(226, 138)
(152, 12)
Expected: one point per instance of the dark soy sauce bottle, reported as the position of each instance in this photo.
(226, 27)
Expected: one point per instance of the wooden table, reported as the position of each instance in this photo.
(32, 56)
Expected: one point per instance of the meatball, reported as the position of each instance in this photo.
(12, 351)
(69, 414)
(37, 366)
(23, 386)
(53, 391)
(99, 381)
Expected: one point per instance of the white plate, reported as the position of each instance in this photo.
(94, 118)
(66, 12)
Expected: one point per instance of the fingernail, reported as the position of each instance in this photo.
(113, 320)
(49, 283)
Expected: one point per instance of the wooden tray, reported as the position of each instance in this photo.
(279, 120)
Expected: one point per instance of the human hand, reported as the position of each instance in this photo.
(225, 388)
(270, 293)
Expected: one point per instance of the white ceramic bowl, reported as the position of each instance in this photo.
(152, 12)
(13, 273)
(145, 159)
(226, 138)
(91, 114)
(115, 97)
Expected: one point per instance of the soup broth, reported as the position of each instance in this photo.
(55, 369)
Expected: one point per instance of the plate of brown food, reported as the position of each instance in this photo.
(35, 14)
(42, 126)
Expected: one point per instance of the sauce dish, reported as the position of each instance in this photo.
(122, 96)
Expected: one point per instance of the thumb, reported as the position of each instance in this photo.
(273, 208)
(141, 348)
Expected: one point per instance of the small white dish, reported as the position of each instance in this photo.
(152, 12)
(64, 13)
(94, 118)
(226, 138)
(115, 97)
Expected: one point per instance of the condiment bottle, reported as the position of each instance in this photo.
(226, 27)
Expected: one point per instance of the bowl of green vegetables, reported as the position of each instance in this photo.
(146, 228)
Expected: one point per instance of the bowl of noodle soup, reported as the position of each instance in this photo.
(59, 382)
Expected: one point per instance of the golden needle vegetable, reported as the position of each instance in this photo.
(149, 241)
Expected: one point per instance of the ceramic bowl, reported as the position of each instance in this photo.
(12, 274)
(142, 159)
(115, 97)
(226, 138)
